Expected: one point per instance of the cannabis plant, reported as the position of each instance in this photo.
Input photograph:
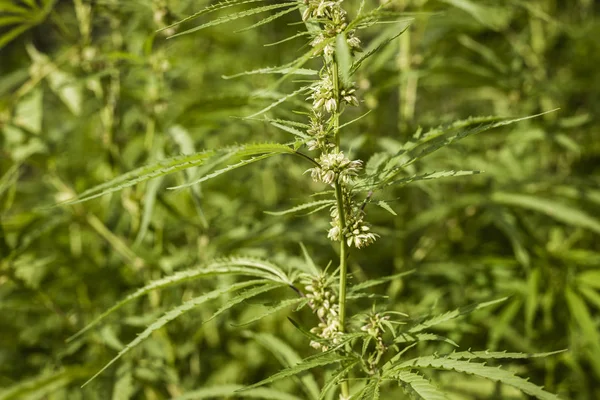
(362, 350)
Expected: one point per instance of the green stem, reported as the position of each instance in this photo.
(343, 270)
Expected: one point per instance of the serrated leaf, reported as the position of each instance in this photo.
(245, 295)
(234, 16)
(404, 337)
(487, 355)
(357, 64)
(175, 164)
(212, 8)
(438, 319)
(274, 70)
(283, 304)
(318, 360)
(292, 130)
(419, 385)
(228, 168)
(386, 207)
(378, 281)
(226, 266)
(299, 34)
(227, 391)
(415, 178)
(492, 373)
(313, 204)
(269, 19)
(174, 313)
(435, 139)
(280, 100)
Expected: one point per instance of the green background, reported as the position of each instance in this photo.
(90, 90)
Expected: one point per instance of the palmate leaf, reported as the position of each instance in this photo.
(237, 265)
(438, 319)
(478, 369)
(230, 391)
(234, 16)
(263, 286)
(417, 384)
(317, 360)
(175, 164)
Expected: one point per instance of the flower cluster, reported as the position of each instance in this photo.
(335, 168)
(322, 301)
(328, 95)
(333, 17)
(319, 133)
(375, 328)
(357, 231)
(324, 97)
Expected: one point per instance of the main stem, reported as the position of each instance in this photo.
(339, 196)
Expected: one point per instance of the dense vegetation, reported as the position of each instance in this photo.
(472, 210)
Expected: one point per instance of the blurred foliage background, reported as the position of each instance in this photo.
(90, 90)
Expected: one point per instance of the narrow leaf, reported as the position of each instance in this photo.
(269, 19)
(378, 281)
(492, 373)
(317, 360)
(227, 391)
(301, 207)
(438, 319)
(299, 303)
(178, 311)
(420, 386)
(234, 16)
(226, 266)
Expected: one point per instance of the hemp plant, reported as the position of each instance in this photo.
(364, 352)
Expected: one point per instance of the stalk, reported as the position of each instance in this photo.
(343, 272)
